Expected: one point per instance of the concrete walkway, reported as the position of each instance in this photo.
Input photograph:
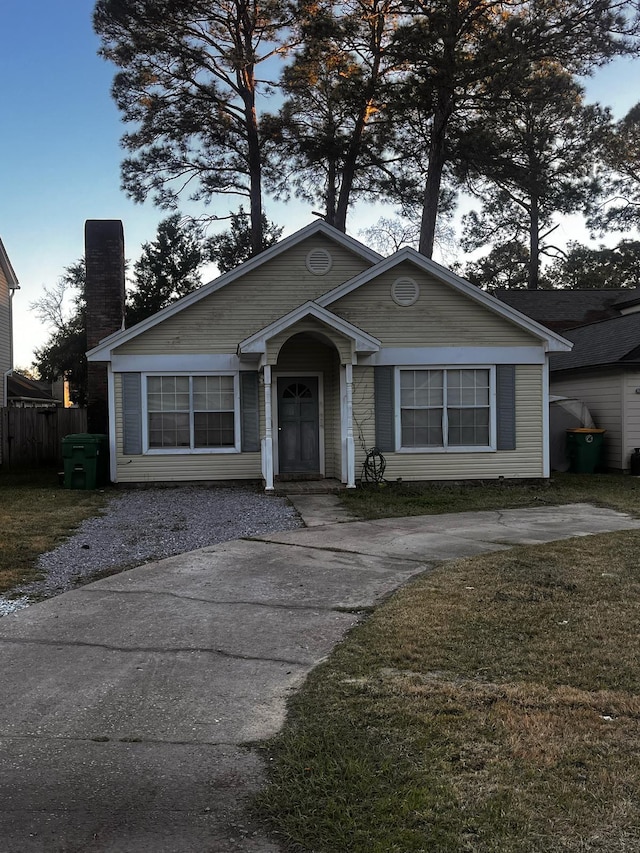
(128, 706)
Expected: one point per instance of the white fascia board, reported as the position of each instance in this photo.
(5, 263)
(398, 356)
(192, 363)
(553, 341)
(102, 352)
(256, 343)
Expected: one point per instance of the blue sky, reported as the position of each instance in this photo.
(60, 153)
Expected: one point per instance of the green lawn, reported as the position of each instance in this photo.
(36, 514)
(491, 706)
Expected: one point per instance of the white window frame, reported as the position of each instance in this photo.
(190, 451)
(489, 448)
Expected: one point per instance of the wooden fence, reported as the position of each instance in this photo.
(34, 436)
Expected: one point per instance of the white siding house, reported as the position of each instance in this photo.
(8, 284)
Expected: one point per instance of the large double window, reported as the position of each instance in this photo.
(192, 412)
(446, 408)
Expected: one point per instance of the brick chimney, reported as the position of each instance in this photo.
(104, 259)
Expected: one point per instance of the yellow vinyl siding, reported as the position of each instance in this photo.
(220, 321)
(525, 461)
(440, 317)
(603, 392)
(179, 467)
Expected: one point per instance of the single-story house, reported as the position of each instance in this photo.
(603, 368)
(315, 352)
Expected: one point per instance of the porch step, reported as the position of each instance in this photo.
(308, 487)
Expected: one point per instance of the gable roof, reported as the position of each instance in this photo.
(554, 340)
(101, 352)
(19, 387)
(565, 309)
(379, 265)
(256, 343)
(5, 264)
(611, 342)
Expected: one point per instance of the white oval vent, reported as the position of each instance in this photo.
(405, 291)
(319, 261)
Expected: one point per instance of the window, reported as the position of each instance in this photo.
(191, 412)
(445, 408)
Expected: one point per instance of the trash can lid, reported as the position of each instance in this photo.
(586, 429)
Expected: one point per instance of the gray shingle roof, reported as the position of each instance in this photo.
(565, 309)
(610, 342)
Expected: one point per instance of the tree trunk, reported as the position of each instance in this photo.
(435, 168)
(534, 245)
(255, 180)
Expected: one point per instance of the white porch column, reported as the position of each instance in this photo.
(351, 450)
(268, 436)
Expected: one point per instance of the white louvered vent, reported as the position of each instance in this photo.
(319, 261)
(405, 291)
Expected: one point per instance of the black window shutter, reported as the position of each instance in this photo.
(385, 408)
(131, 414)
(506, 406)
(249, 412)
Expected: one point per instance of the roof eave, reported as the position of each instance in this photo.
(102, 352)
(554, 342)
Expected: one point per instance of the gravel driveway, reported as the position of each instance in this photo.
(143, 525)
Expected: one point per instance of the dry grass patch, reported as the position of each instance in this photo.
(36, 514)
(490, 707)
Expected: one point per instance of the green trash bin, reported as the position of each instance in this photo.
(86, 460)
(584, 449)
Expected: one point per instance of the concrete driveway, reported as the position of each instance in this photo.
(128, 707)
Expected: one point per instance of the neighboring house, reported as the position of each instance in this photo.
(603, 368)
(565, 309)
(318, 350)
(8, 284)
(24, 393)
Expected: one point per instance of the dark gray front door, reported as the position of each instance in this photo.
(298, 425)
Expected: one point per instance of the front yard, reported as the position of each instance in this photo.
(36, 514)
(492, 706)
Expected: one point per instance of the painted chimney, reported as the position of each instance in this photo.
(104, 259)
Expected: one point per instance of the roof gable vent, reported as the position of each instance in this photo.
(319, 261)
(405, 291)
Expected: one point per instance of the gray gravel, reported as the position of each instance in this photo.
(143, 525)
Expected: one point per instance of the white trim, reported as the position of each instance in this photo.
(546, 432)
(266, 445)
(111, 397)
(552, 341)
(191, 451)
(350, 445)
(299, 374)
(454, 356)
(474, 448)
(5, 265)
(257, 342)
(344, 474)
(198, 362)
(104, 349)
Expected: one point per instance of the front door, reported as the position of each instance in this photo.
(298, 425)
